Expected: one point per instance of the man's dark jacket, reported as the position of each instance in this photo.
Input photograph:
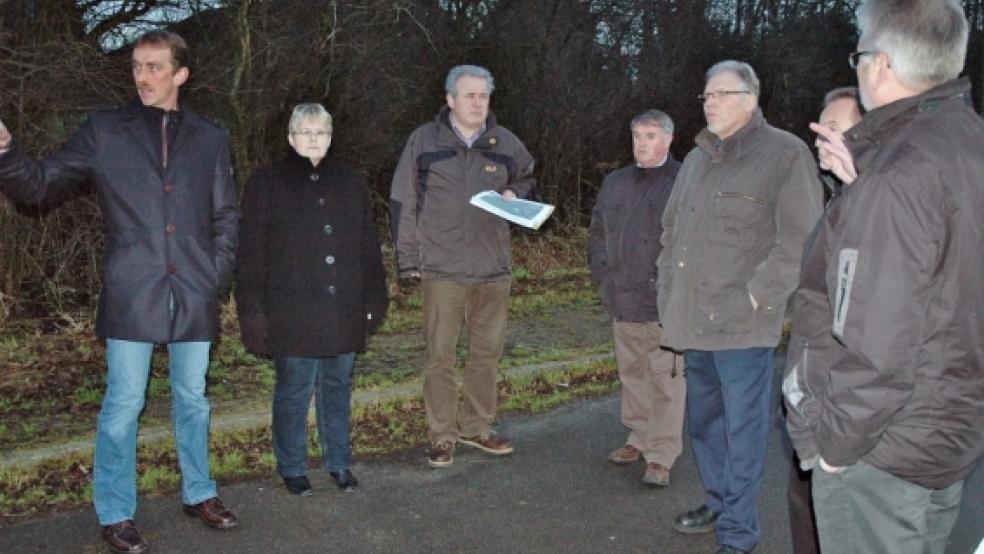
(886, 358)
(170, 232)
(623, 241)
(310, 269)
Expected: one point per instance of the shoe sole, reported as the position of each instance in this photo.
(655, 483)
(689, 530)
(436, 464)
(487, 450)
(128, 551)
(308, 492)
(621, 461)
(224, 525)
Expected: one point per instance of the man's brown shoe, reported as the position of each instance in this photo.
(213, 513)
(656, 474)
(123, 536)
(625, 455)
(489, 443)
(441, 454)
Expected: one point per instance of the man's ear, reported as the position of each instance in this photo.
(180, 76)
(450, 100)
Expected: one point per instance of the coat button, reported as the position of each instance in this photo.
(329, 260)
(169, 228)
(168, 188)
(315, 177)
(171, 269)
(332, 289)
(680, 264)
(321, 201)
(328, 229)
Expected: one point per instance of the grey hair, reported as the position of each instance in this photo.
(653, 117)
(847, 93)
(741, 69)
(309, 109)
(459, 71)
(925, 40)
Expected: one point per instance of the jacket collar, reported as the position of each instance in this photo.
(135, 116)
(446, 137)
(734, 145)
(881, 123)
(297, 164)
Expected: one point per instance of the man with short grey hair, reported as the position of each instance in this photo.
(460, 253)
(623, 246)
(743, 204)
(885, 372)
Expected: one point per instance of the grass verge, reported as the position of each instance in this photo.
(376, 429)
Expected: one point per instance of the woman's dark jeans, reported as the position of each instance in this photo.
(331, 381)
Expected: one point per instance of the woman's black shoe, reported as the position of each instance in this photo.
(298, 485)
(345, 480)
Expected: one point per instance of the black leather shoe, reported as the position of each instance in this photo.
(725, 549)
(298, 485)
(696, 521)
(345, 480)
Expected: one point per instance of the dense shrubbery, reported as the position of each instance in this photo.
(570, 74)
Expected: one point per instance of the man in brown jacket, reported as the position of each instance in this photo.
(461, 253)
(885, 372)
(745, 200)
(623, 244)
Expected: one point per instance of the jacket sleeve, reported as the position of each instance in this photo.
(523, 182)
(664, 263)
(798, 207)
(225, 218)
(879, 273)
(374, 272)
(403, 210)
(597, 250)
(251, 275)
(31, 182)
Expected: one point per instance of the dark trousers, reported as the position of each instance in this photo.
(330, 379)
(728, 401)
(802, 520)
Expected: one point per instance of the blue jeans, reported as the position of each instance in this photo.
(330, 379)
(728, 395)
(115, 460)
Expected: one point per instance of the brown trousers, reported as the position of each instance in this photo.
(481, 308)
(654, 391)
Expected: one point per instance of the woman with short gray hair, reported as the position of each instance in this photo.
(311, 287)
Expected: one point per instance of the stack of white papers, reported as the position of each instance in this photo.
(521, 212)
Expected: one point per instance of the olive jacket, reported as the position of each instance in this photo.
(735, 225)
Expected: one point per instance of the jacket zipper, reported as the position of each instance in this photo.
(164, 141)
(748, 197)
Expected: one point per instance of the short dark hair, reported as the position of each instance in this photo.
(849, 93)
(180, 56)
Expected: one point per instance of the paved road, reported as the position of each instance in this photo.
(557, 493)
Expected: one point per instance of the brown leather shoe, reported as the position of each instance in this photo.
(213, 513)
(625, 455)
(490, 443)
(656, 474)
(123, 536)
(441, 454)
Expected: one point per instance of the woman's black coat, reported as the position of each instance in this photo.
(311, 281)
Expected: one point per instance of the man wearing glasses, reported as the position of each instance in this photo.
(743, 203)
(885, 378)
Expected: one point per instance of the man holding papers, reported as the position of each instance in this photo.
(461, 253)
